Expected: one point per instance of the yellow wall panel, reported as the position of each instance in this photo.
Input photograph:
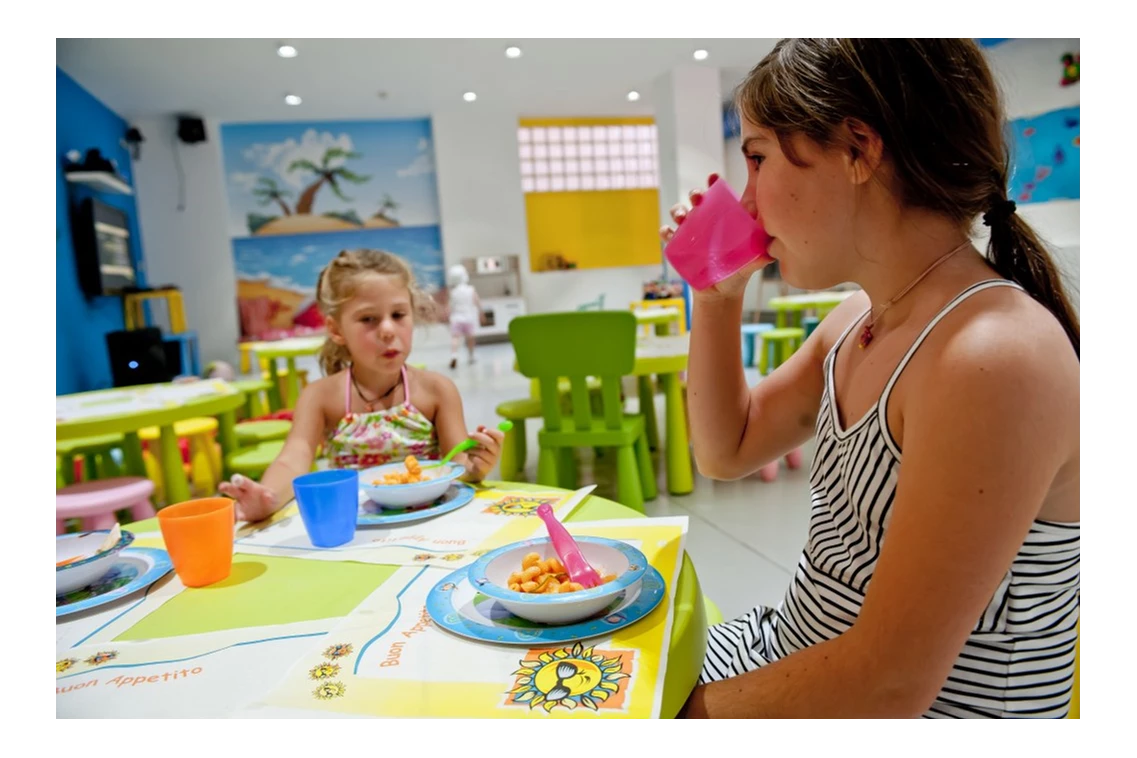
(593, 229)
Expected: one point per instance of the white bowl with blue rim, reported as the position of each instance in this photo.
(81, 573)
(490, 575)
(407, 495)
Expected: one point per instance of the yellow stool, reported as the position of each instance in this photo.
(205, 455)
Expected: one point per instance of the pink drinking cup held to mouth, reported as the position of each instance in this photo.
(717, 239)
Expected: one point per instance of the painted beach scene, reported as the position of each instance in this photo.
(299, 193)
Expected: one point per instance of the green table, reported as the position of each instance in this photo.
(289, 350)
(666, 357)
(320, 589)
(128, 422)
(796, 305)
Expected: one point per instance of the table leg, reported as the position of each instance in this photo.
(132, 455)
(680, 477)
(177, 488)
(663, 329)
(274, 399)
(780, 318)
(293, 383)
(647, 408)
(227, 436)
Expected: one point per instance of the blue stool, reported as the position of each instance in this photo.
(809, 323)
(749, 333)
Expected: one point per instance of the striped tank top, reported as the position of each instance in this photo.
(1018, 660)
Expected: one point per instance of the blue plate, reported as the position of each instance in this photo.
(135, 568)
(458, 495)
(456, 606)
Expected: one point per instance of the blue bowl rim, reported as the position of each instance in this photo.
(455, 472)
(125, 538)
(637, 563)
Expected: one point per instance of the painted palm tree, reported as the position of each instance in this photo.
(388, 204)
(267, 191)
(325, 174)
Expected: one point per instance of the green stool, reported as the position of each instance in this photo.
(781, 343)
(809, 323)
(714, 615)
(252, 433)
(98, 463)
(513, 452)
(253, 461)
(256, 396)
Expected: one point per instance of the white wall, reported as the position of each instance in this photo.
(189, 247)
(1028, 72)
(483, 211)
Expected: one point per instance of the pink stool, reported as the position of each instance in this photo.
(769, 472)
(96, 502)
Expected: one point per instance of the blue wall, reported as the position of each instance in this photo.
(81, 123)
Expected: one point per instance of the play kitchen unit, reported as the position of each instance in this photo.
(497, 280)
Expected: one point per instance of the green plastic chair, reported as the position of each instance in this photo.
(513, 449)
(714, 615)
(98, 461)
(575, 346)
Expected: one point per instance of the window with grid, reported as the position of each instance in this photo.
(587, 158)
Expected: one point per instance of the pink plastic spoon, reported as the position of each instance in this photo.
(568, 551)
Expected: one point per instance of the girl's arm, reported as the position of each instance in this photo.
(737, 429)
(450, 422)
(300, 447)
(982, 444)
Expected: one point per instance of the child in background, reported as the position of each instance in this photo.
(465, 312)
(370, 408)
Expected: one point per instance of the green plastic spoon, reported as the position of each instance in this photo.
(467, 444)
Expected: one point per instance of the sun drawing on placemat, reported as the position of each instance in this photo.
(571, 677)
(519, 505)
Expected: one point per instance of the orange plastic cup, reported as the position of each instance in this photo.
(199, 539)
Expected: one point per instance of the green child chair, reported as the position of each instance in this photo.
(600, 344)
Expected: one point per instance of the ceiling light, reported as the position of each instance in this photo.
(701, 55)
(512, 52)
(470, 97)
(286, 51)
(633, 96)
(293, 99)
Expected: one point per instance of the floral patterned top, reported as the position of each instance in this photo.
(362, 440)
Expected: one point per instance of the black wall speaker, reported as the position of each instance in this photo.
(191, 129)
(139, 356)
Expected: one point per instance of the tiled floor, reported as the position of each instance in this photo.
(744, 537)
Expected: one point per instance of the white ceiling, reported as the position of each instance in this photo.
(245, 80)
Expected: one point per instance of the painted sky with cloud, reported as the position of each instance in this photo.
(397, 155)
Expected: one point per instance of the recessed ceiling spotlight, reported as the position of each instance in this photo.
(700, 55)
(286, 51)
(293, 99)
(513, 52)
(470, 97)
(633, 96)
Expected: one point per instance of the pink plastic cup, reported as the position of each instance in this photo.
(717, 238)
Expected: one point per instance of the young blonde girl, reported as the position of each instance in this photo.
(370, 408)
(940, 577)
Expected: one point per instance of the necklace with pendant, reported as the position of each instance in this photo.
(371, 404)
(866, 333)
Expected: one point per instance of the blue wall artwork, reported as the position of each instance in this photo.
(1046, 157)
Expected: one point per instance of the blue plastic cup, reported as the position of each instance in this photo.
(329, 505)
